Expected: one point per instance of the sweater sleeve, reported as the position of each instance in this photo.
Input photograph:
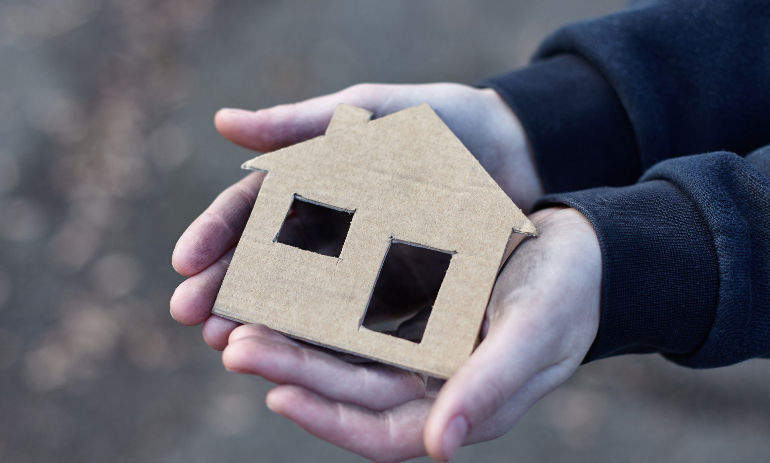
(686, 259)
(605, 100)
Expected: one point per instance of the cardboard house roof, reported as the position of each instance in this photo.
(405, 178)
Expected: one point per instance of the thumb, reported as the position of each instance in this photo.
(280, 126)
(543, 318)
(492, 377)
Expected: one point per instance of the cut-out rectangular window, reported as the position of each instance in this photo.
(405, 291)
(315, 228)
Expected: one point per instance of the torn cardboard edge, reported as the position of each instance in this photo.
(406, 178)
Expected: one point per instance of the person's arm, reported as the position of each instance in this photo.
(606, 99)
(541, 320)
(685, 259)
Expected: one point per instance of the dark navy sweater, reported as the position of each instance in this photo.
(644, 121)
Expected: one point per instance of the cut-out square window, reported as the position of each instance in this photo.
(315, 228)
(405, 291)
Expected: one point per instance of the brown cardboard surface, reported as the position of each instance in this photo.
(407, 178)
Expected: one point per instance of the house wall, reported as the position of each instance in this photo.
(323, 299)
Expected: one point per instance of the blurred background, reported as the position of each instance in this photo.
(107, 153)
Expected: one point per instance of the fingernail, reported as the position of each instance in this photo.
(172, 315)
(454, 435)
(269, 404)
(236, 111)
(228, 369)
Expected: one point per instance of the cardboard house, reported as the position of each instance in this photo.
(371, 187)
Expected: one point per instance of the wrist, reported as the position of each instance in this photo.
(660, 281)
(510, 161)
(575, 239)
(553, 282)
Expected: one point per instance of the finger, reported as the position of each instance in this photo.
(256, 349)
(389, 436)
(261, 331)
(192, 301)
(216, 330)
(276, 336)
(483, 385)
(537, 335)
(515, 408)
(273, 128)
(393, 435)
(218, 228)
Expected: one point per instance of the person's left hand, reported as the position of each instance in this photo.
(480, 118)
(541, 320)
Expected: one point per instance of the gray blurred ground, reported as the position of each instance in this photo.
(108, 151)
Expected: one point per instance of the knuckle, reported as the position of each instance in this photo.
(363, 90)
(496, 397)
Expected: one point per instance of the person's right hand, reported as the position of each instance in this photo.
(541, 320)
(479, 117)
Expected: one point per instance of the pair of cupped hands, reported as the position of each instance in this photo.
(541, 320)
